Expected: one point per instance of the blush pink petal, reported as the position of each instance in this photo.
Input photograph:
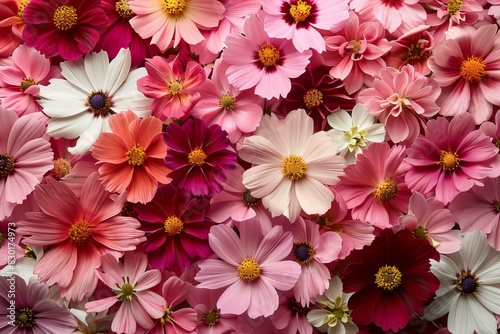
(216, 274)
(264, 299)
(236, 298)
(225, 243)
(281, 275)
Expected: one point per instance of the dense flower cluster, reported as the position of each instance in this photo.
(249, 166)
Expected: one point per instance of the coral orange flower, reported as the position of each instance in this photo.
(131, 157)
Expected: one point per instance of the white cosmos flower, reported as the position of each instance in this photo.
(92, 90)
(354, 134)
(470, 286)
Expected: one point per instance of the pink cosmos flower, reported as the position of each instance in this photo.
(76, 232)
(236, 112)
(131, 283)
(11, 26)
(355, 52)
(492, 130)
(465, 67)
(28, 308)
(69, 28)
(302, 20)
(179, 19)
(428, 219)
(374, 187)
(131, 156)
(402, 100)
(177, 231)
(199, 165)
(25, 156)
(19, 90)
(292, 165)
(478, 209)
(450, 158)
(291, 316)
(173, 86)
(257, 60)
(251, 267)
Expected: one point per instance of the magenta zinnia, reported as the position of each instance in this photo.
(390, 279)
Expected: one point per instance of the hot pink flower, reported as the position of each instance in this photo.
(401, 99)
(251, 267)
(257, 60)
(450, 158)
(302, 20)
(131, 283)
(76, 232)
(69, 28)
(25, 156)
(428, 219)
(179, 19)
(466, 67)
(374, 186)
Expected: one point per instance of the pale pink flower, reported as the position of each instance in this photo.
(131, 283)
(25, 156)
(237, 112)
(466, 67)
(303, 20)
(292, 165)
(374, 187)
(450, 158)
(257, 60)
(291, 316)
(479, 209)
(402, 100)
(174, 19)
(251, 268)
(355, 52)
(429, 219)
(492, 130)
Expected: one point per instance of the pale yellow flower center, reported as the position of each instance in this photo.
(62, 167)
(197, 157)
(386, 191)
(136, 155)
(388, 277)
(313, 98)
(80, 232)
(293, 167)
(473, 68)
(453, 6)
(269, 55)
(65, 17)
(123, 9)
(6, 164)
(301, 11)
(173, 225)
(449, 161)
(249, 270)
(356, 46)
(174, 7)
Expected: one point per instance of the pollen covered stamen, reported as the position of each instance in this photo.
(211, 317)
(20, 8)
(136, 156)
(301, 11)
(197, 157)
(388, 277)
(227, 101)
(473, 68)
(99, 103)
(293, 167)
(269, 55)
(249, 269)
(453, 6)
(65, 17)
(386, 191)
(467, 283)
(123, 9)
(449, 161)
(173, 225)
(355, 46)
(25, 318)
(313, 98)
(174, 7)
(6, 164)
(413, 52)
(26, 83)
(80, 232)
(175, 87)
(62, 167)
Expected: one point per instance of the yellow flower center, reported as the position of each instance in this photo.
(25, 318)
(249, 269)
(453, 6)
(80, 232)
(388, 277)
(448, 161)
(269, 55)
(6, 164)
(197, 157)
(20, 8)
(227, 101)
(136, 155)
(175, 88)
(386, 191)
(28, 252)
(301, 11)
(293, 167)
(26, 83)
(356, 46)
(65, 17)
(313, 98)
(420, 232)
(62, 168)
(173, 225)
(473, 68)
(166, 316)
(211, 317)
(123, 9)
(174, 7)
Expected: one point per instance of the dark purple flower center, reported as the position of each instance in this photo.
(303, 251)
(99, 103)
(296, 307)
(467, 283)
(6, 164)
(97, 100)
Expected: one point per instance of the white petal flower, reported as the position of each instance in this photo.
(92, 90)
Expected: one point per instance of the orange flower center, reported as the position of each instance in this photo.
(123, 9)
(173, 225)
(269, 55)
(386, 191)
(65, 17)
(293, 167)
(313, 98)
(249, 269)
(449, 161)
(197, 157)
(453, 6)
(388, 277)
(62, 168)
(80, 232)
(301, 11)
(136, 155)
(26, 83)
(6, 164)
(473, 68)
(174, 7)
